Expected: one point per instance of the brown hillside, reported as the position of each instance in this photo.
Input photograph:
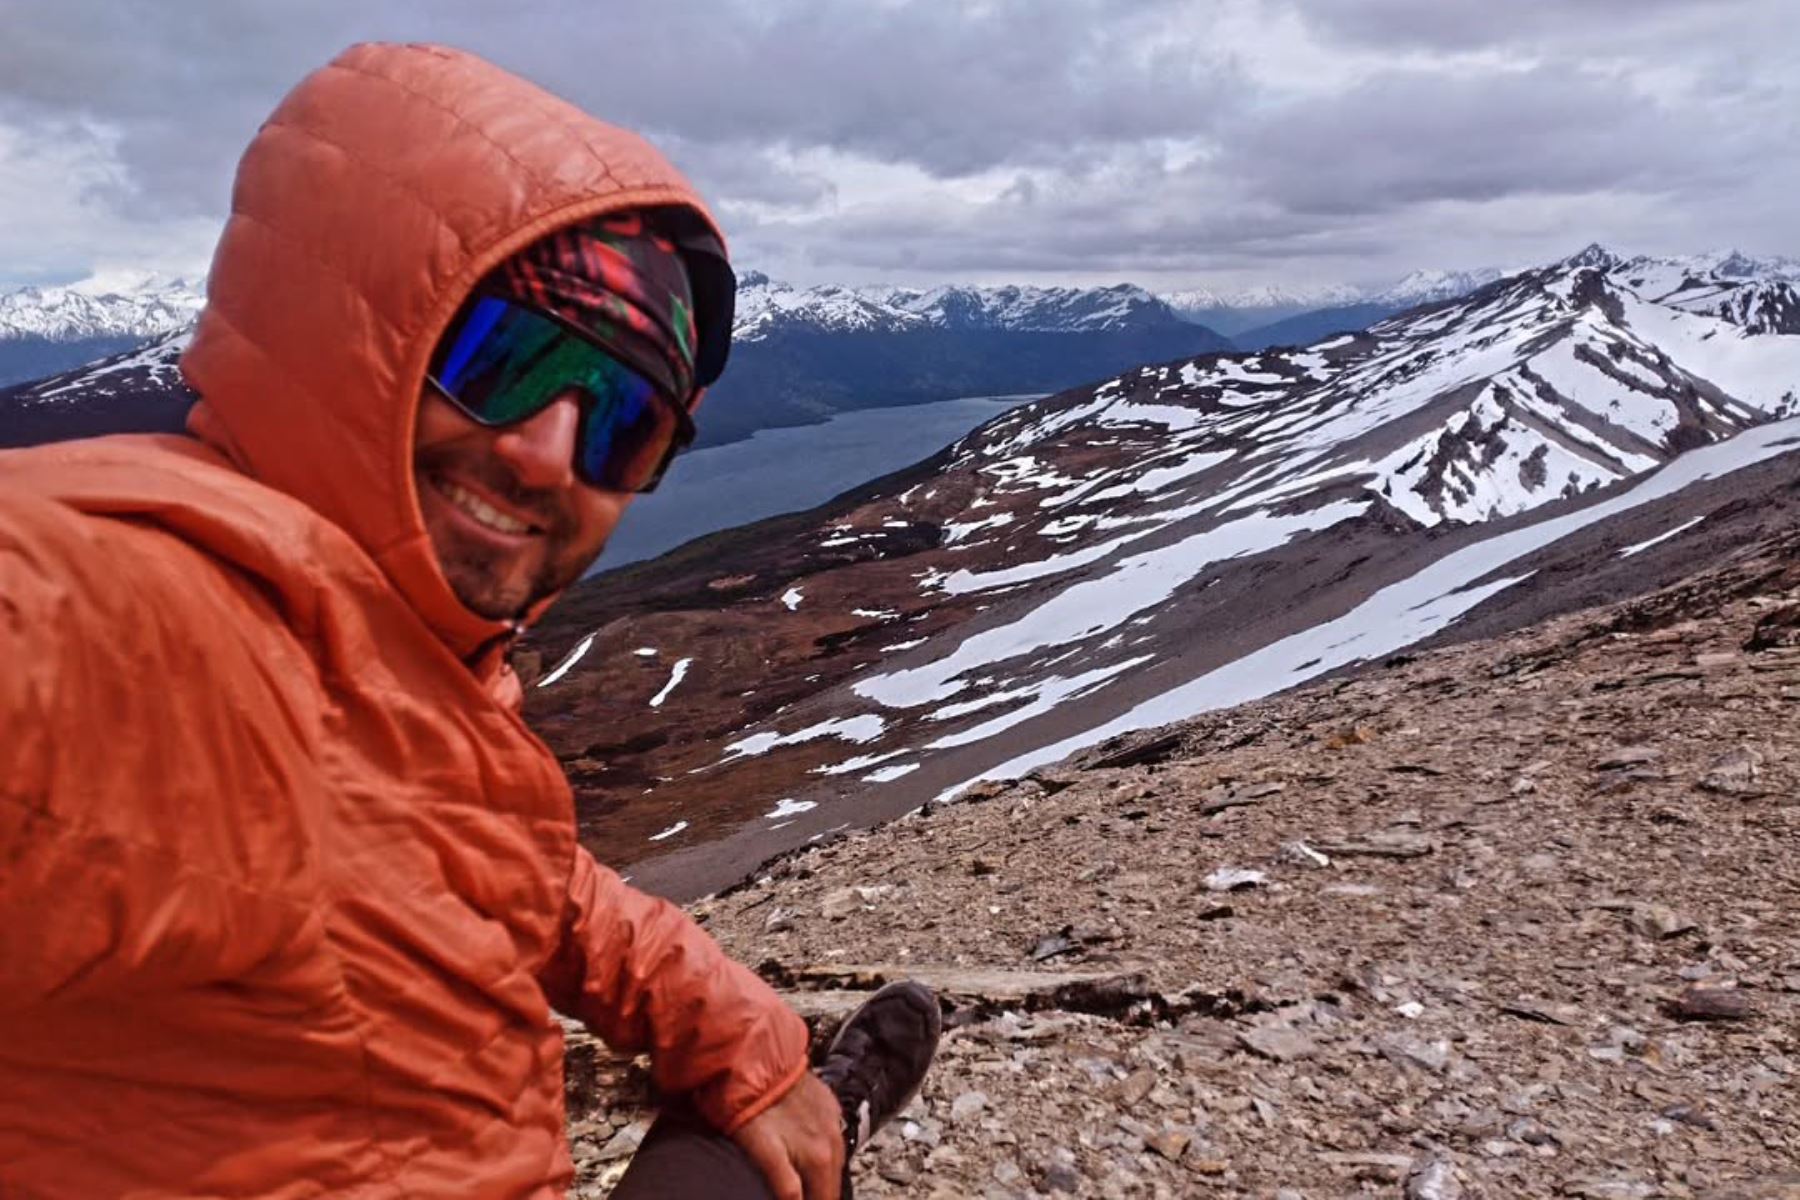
(1517, 917)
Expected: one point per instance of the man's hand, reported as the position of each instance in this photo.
(798, 1142)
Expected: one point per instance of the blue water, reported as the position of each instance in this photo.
(788, 470)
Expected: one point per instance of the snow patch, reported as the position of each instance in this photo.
(1097, 606)
(861, 762)
(1046, 694)
(675, 677)
(1660, 538)
(570, 659)
(859, 729)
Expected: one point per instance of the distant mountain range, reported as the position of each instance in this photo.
(801, 355)
(768, 307)
(804, 354)
(1257, 318)
(44, 330)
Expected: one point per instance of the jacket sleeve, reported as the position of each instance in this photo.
(643, 976)
(130, 797)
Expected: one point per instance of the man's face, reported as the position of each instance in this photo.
(510, 520)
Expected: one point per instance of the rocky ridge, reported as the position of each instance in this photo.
(1507, 918)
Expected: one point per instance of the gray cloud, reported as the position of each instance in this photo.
(1411, 136)
(847, 139)
(1558, 25)
(749, 176)
(954, 89)
(951, 88)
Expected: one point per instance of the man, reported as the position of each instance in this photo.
(287, 891)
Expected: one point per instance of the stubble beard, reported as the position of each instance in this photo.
(488, 580)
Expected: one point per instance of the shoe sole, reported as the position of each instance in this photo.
(928, 1003)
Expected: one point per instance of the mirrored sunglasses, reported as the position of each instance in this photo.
(501, 363)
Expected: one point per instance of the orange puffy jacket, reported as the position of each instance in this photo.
(287, 893)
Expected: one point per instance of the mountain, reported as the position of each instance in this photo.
(1265, 317)
(801, 355)
(1428, 286)
(767, 308)
(1179, 538)
(1760, 295)
(47, 330)
(1258, 325)
(1036, 310)
(1232, 312)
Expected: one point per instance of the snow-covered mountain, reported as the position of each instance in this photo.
(1552, 383)
(803, 354)
(1267, 315)
(1418, 287)
(1263, 298)
(766, 307)
(49, 329)
(1425, 286)
(1760, 295)
(1180, 537)
(1259, 318)
(138, 304)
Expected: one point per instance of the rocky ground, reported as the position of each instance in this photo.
(1503, 919)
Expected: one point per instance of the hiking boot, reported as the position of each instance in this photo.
(877, 1062)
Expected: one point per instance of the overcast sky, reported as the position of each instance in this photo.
(1168, 142)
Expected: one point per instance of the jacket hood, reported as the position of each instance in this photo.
(365, 210)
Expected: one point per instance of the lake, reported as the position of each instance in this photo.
(788, 470)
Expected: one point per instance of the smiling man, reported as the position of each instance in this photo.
(559, 391)
(287, 890)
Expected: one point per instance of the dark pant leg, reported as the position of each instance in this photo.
(684, 1158)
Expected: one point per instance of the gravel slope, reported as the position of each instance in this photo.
(1519, 920)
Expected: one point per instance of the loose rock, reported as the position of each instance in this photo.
(1733, 772)
(1278, 1044)
(1627, 756)
(1234, 879)
(1711, 1004)
(1433, 1180)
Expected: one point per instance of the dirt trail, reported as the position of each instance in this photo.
(1511, 918)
